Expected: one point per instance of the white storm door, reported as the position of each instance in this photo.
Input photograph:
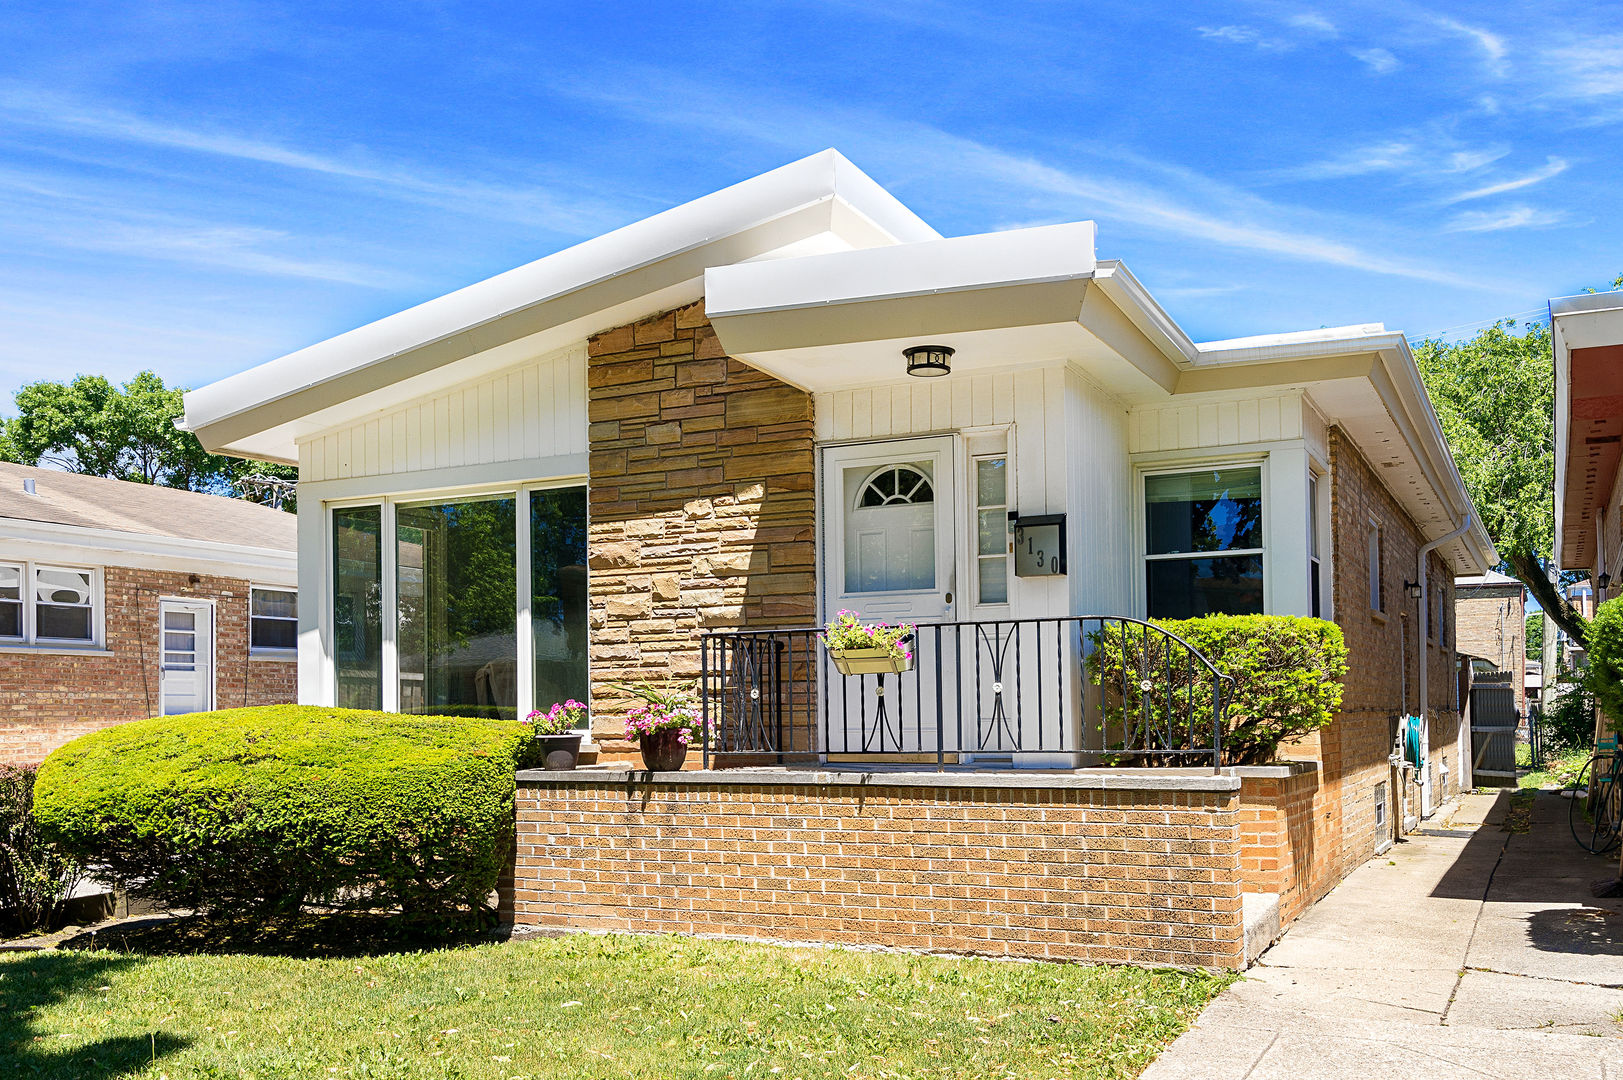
(889, 522)
(186, 668)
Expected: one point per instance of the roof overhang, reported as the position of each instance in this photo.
(819, 204)
(146, 551)
(1364, 380)
(1586, 333)
(1027, 296)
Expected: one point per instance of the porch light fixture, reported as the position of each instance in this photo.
(1605, 580)
(1413, 589)
(928, 361)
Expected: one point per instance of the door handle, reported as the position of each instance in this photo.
(949, 598)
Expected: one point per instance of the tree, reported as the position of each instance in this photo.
(1535, 636)
(1495, 399)
(125, 432)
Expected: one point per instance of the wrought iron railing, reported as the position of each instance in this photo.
(1090, 689)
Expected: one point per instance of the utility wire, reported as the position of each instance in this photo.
(1484, 323)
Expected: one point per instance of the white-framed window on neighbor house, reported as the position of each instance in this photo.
(273, 620)
(1315, 566)
(1203, 534)
(992, 529)
(50, 605)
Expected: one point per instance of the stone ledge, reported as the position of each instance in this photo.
(1279, 770)
(1088, 780)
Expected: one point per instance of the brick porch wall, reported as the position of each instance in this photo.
(1281, 836)
(1382, 651)
(1026, 867)
(702, 504)
(47, 699)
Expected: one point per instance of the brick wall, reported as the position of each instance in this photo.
(1383, 660)
(702, 504)
(1492, 622)
(1283, 811)
(47, 699)
(1045, 869)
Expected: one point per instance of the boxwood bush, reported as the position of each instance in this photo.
(1288, 675)
(260, 810)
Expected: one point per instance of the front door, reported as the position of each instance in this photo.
(186, 679)
(888, 527)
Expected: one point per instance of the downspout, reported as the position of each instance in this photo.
(1423, 649)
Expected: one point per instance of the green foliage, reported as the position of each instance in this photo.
(1605, 676)
(1568, 719)
(124, 432)
(263, 809)
(1535, 636)
(1287, 671)
(35, 878)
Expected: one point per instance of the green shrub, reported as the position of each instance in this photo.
(36, 879)
(263, 809)
(1605, 676)
(1288, 674)
(1568, 718)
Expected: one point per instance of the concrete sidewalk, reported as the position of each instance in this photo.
(1468, 951)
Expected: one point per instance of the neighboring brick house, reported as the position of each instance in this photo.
(120, 601)
(710, 423)
(1490, 611)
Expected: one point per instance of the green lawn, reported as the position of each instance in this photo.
(582, 1007)
(1558, 771)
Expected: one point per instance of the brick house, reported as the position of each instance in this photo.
(1490, 614)
(120, 601)
(687, 441)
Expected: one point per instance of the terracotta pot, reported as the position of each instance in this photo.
(559, 753)
(869, 662)
(663, 751)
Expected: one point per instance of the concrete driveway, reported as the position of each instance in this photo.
(1468, 951)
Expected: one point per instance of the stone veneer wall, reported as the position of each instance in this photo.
(1121, 869)
(48, 698)
(702, 504)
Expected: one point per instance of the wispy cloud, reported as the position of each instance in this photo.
(572, 213)
(1415, 153)
(1194, 206)
(1492, 45)
(1379, 61)
(1555, 167)
(1312, 20)
(1243, 35)
(1512, 217)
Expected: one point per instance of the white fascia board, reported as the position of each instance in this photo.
(109, 547)
(1563, 423)
(1145, 312)
(463, 320)
(930, 267)
(1301, 344)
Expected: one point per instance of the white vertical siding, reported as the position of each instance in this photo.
(1101, 560)
(534, 410)
(1262, 417)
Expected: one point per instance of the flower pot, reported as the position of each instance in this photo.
(869, 662)
(559, 753)
(663, 751)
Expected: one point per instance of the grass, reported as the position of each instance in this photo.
(584, 1007)
(1557, 771)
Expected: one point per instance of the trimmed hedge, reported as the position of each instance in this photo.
(35, 878)
(263, 809)
(1288, 677)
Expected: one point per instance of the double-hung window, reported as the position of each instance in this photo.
(273, 619)
(1204, 542)
(47, 605)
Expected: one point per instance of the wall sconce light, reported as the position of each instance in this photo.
(1413, 589)
(1605, 580)
(928, 361)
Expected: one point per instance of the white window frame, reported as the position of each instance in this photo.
(389, 663)
(31, 638)
(1141, 513)
(1322, 537)
(268, 652)
(974, 548)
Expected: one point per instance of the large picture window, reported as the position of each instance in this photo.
(1204, 542)
(463, 605)
(48, 605)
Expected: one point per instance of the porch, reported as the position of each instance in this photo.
(1043, 693)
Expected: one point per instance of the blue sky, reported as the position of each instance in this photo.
(196, 187)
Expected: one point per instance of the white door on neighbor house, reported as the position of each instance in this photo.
(186, 679)
(888, 554)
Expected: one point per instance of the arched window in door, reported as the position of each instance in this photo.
(896, 484)
(890, 529)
